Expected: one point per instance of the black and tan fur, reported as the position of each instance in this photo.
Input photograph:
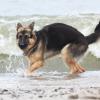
(51, 40)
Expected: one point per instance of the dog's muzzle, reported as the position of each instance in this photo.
(22, 46)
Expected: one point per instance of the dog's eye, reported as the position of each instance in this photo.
(27, 35)
(20, 35)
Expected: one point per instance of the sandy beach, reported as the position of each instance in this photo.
(51, 86)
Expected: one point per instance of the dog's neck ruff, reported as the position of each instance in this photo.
(34, 48)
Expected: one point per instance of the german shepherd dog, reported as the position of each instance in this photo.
(51, 40)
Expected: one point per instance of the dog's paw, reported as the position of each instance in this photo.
(77, 69)
(27, 73)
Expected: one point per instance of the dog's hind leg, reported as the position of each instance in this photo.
(70, 52)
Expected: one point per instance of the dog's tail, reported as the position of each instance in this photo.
(94, 36)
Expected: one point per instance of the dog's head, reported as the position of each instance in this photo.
(25, 36)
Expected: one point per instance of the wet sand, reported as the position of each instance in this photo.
(50, 86)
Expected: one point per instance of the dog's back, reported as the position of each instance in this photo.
(58, 35)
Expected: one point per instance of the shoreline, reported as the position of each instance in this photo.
(85, 86)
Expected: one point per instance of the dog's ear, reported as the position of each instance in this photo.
(31, 26)
(18, 26)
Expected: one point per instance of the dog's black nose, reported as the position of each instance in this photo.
(22, 46)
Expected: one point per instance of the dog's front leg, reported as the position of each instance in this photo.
(36, 59)
(34, 66)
